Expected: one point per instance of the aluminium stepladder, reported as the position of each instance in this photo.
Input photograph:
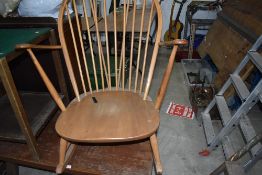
(229, 121)
(232, 166)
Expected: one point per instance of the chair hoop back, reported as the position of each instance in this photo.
(125, 31)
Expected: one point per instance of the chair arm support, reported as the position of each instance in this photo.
(162, 90)
(35, 46)
(173, 42)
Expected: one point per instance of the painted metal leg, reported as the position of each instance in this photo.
(19, 111)
(186, 25)
(154, 145)
(66, 151)
(192, 39)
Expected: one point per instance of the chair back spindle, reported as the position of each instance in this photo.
(125, 32)
(96, 73)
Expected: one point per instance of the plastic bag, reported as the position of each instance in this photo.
(39, 8)
(7, 6)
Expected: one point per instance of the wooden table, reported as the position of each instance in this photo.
(120, 158)
(119, 23)
(134, 158)
(9, 38)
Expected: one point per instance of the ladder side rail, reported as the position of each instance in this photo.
(249, 164)
(248, 104)
(257, 44)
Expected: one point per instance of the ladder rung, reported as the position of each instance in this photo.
(249, 132)
(208, 127)
(240, 87)
(256, 59)
(227, 147)
(223, 109)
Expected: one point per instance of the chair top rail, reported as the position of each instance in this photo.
(105, 60)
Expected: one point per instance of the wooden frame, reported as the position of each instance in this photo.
(17, 106)
(87, 159)
(13, 95)
(73, 131)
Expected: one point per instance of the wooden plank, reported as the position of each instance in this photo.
(121, 158)
(17, 106)
(226, 53)
(38, 115)
(228, 46)
(246, 13)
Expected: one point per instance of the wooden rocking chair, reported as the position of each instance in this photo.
(111, 101)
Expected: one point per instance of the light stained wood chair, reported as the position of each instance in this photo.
(112, 103)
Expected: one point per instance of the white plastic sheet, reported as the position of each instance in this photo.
(7, 6)
(39, 8)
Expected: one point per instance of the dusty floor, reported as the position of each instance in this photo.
(180, 139)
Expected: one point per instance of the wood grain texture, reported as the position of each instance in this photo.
(89, 23)
(61, 31)
(117, 116)
(133, 158)
(173, 42)
(47, 81)
(246, 13)
(65, 154)
(226, 53)
(110, 116)
(154, 145)
(156, 47)
(35, 46)
(165, 80)
(132, 44)
(140, 43)
(80, 35)
(16, 103)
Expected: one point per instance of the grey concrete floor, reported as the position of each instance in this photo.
(179, 139)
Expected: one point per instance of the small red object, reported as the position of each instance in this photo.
(204, 152)
(180, 111)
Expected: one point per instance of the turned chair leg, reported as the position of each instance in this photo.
(154, 145)
(62, 152)
(65, 153)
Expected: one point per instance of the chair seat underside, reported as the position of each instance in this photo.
(113, 116)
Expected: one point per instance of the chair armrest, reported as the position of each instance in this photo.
(35, 46)
(173, 42)
(162, 90)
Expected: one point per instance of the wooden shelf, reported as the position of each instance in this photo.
(39, 108)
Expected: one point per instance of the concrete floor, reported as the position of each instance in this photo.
(180, 139)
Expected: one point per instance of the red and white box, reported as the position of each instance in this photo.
(180, 111)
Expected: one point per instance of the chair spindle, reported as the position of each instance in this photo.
(82, 48)
(139, 45)
(76, 50)
(90, 43)
(146, 47)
